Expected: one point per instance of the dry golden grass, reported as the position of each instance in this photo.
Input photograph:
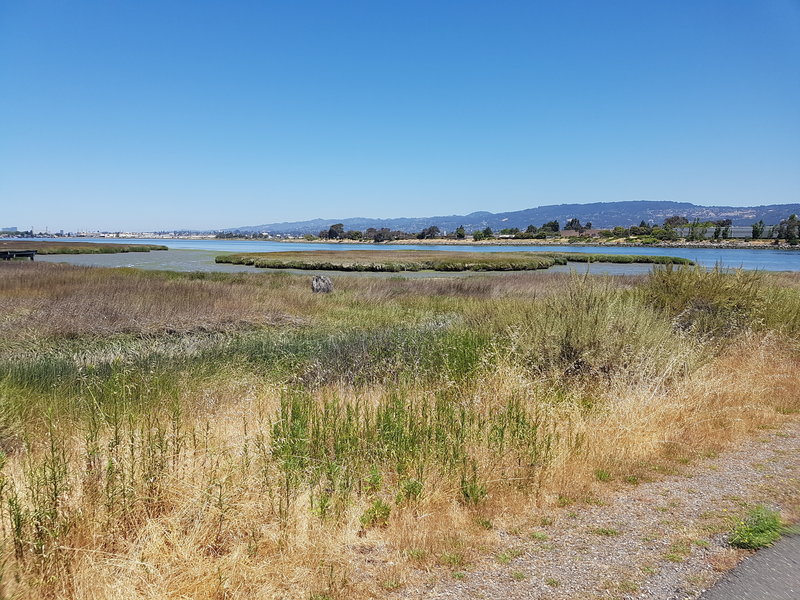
(42, 299)
(187, 498)
(58, 300)
(527, 285)
(212, 535)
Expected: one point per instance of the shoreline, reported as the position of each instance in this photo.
(760, 245)
(563, 241)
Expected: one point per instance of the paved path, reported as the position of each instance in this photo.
(771, 574)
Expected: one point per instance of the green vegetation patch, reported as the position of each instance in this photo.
(760, 528)
(78, 247)
(394, 261)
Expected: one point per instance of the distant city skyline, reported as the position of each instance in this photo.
(155, 116)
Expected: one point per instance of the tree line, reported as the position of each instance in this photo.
(672, 228)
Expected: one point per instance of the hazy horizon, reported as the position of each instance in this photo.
(159, 117)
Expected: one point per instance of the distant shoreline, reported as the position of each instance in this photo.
(726, 245)
(563, 241)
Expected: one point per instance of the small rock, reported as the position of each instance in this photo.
(321, 285)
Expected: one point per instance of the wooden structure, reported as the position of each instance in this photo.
(9, 254)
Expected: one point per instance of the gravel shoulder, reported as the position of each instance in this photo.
(663, 540)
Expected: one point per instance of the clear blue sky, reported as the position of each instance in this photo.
(162, 114)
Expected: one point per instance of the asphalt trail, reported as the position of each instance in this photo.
(770, 574)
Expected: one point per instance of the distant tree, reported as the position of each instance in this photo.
(460, 233)
(323, 235)
(723, 223)
(477, 235)
(620, 232)
(353, 234)
(726, 232)
(588, 225)
(488, 233)
(758, 230)
(336, 231)
(573, 225)
(531, 229)
(664, 233)
(697, 230)
(676, 221)
(717, 232)
(429, 233)
(308, 237)
(789, 230)
(383, 234)
(551, 227)
(643, 228)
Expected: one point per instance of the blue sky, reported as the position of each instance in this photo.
(198, 114)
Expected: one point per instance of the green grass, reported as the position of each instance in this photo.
(507, 556)
(678, 551)
(761, 527)
(424, 260)
(452, 559)
(602, 475)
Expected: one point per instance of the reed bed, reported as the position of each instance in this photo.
(353, 442)
(395, 261)
(43, 247)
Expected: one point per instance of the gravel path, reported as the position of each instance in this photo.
(661, 540)
(772, 574)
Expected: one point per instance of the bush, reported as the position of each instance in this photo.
(593, 331)
(377, 514)
(472, 491)
(715, 302)
(410, 490)
(760, 528)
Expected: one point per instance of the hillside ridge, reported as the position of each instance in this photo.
(600, 214)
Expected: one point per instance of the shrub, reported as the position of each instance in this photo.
(594, 331)
(410, 490)
(714, 302)
(377, 515)
(760, 528)
(472, 491)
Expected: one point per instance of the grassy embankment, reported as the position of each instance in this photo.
(235, 436)
(77, 247)
(423, 260)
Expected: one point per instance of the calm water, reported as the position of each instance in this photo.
(188, 255)
(203, 260)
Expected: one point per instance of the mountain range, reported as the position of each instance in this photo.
(600, 214)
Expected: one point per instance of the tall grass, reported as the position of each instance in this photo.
(44, 247)
(362, 436)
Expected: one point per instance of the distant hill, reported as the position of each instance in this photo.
(600, 214)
